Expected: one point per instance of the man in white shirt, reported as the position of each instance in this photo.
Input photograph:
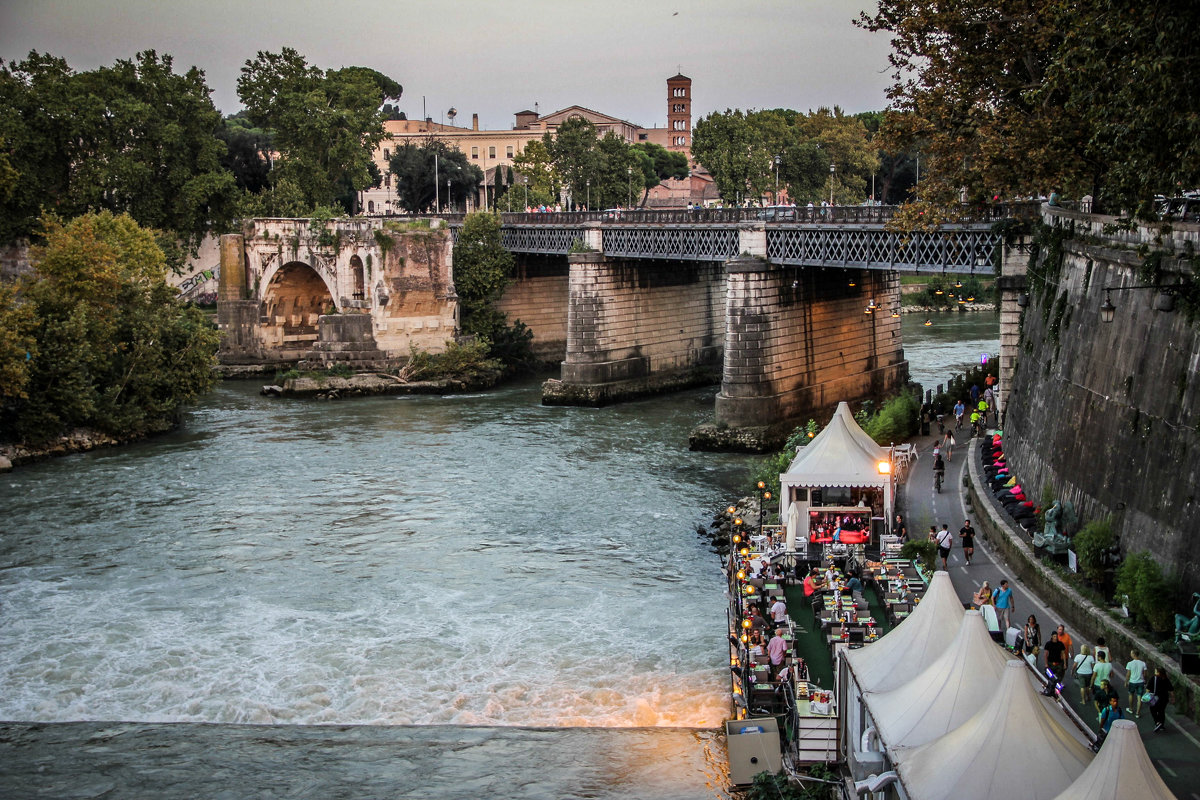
(945, 540)
(779, 612)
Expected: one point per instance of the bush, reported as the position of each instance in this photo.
(770, 468)
(922, 550)
(896, 420)
(1090, 546)
(467, 362)
(1151, 595)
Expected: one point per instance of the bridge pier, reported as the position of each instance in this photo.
(798, 341)
(637, 327)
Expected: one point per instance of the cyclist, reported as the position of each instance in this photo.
(959, 410)
(939, 471)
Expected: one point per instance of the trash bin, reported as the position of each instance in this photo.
(753, 748)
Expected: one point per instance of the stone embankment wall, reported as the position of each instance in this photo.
(538, 298)
(1108, 414)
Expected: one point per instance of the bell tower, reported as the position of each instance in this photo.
(679, 114)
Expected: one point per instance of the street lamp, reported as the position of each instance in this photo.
(589, 194)
(449, 202)
(778, 159)
(832, 175)
(629, 201)
(762, 495)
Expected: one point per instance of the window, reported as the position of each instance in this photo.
(679, 108)
(370, 206)
(386, 154)
(491, 152)
(681, 124)
(475, 152)
(387, 181)
(643, 137)
(681, 140)
(508, 151)
(679, 92)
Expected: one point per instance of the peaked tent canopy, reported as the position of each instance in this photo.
(1121, 770)
(840, 455)
(1015, 746)
(948, 693)
(905, 651)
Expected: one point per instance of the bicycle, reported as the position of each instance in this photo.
(937, 480)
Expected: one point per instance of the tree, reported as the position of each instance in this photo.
(112, 346)
(536, 174)
(413, 169)
(573, 152)
(325, 124)
(246, 149)
(133, 138)
(658, 164)
(482, 271)
(618, 173)
(1013, 98)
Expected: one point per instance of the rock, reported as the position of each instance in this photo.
(5, 464)
(272, 390)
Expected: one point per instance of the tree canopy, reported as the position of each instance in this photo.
(134, 138)
(412, 167)
(96, 338)
(740, 150)
(483, 269)
(1010, 98)
(658, 164)
(325, 125)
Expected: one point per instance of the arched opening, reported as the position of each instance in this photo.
(370, 206)
(292, 304)
(356, 269)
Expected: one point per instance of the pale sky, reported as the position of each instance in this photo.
(495, 57)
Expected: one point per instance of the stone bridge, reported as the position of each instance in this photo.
(791, 315)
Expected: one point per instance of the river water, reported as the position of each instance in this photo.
(472, 560)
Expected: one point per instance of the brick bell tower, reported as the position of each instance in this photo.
(679, 114)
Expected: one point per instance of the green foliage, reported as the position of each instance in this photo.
(896, 420)
(657, 164)
(1151, 595)
(413, 169)
(770, 468)
(538, 181)
(922, 550)
(777, 787)
(1015, 99)
(482, 271)
(469, 363)
(940, 292)
(739, 149)
(132, 138)
(1090, 545)
(113, 347)
(325, 125)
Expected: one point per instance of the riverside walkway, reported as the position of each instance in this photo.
(1174, 751)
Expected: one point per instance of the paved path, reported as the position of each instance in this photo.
(1175, 751)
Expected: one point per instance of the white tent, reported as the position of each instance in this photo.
(1121, 770)
(841, 455)
(905, 651)
(1015, 746)
(948, 693)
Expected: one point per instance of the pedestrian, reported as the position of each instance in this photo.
(1084, 664)
(1055, 664)
(1100, 673)
(1102, 649)
(1067, 641)
(1033, 635)
(898, 529)
(974, 393)
(945, 540)
(776, 650)
(1136, 670)
(1160, 695)
(967, 534)
(948, 444)
(1005, 605)
(779, 612)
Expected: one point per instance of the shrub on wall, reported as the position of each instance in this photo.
(1150, 593)
(1090, 546)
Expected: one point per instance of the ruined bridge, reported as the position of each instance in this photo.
(791, 315)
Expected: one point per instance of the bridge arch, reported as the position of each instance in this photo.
(357, 274)
(294, 297)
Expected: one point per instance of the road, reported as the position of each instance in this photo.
(1174, 751)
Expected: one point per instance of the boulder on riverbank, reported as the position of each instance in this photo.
(333, 387)
(80, 440)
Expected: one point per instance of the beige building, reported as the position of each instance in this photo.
(490, 149)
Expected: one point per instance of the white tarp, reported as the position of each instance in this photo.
(1122, 770)
(906, 650)
(948, 693)
(1015, 746)
(793, 528)
(840, 455)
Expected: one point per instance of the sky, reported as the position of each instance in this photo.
(495, 57)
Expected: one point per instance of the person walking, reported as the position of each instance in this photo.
(945, 540)
(1160, 695)
(1136, 685)
(967, 534)
(1032, 636)
(1005, 605)
(1067, 641)
(1055, 664)
(948, 445)
(1084, 664)
(776, 650)
(1100, 674)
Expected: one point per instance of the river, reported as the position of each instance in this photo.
(474, 560)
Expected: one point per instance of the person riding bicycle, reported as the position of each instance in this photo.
(959, 410)
(939, 469)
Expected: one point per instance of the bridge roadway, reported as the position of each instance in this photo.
(840, 236)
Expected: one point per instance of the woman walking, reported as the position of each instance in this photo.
(1085, 664)
(1100, 674)
(1160, 694)
(1033, 636)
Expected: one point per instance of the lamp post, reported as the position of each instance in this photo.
(629, 200)
(763, 494)
(832, 175)
(437, 200)
(589, 194)
(777, 159)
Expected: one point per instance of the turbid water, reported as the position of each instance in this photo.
(417, 597)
